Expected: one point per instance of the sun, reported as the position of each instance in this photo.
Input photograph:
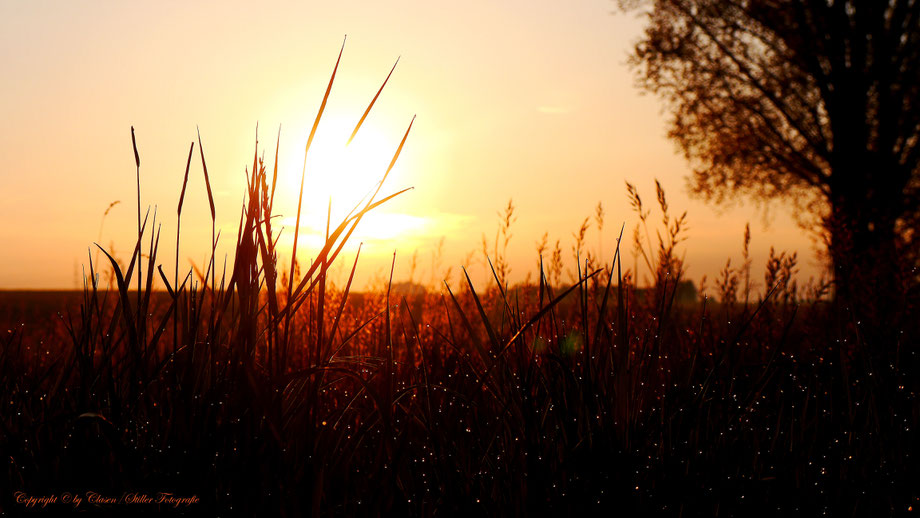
(344, 175)
(347, 171)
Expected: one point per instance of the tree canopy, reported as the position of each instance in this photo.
(810, 101)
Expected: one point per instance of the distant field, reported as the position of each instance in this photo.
(37, 314)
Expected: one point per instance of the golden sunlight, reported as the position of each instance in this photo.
(501, 281)
(345, 175)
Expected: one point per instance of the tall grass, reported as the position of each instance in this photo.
(276, 395)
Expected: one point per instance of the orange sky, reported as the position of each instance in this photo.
(525, 100)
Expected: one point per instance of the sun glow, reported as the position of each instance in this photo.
(340, 176)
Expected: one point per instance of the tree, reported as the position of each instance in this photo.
(809, 101)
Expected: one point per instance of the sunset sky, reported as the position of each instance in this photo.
(526, 100)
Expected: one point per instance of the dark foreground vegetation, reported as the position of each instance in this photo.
(264, 394)
(477, 402)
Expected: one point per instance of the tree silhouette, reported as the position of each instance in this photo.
(810, 101)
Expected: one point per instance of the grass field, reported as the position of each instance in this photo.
(265, 394)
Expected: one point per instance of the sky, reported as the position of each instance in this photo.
(526, 101)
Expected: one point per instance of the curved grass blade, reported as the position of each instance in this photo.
(371, 105)
(482, 313)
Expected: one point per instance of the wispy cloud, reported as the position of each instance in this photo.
(382, 227)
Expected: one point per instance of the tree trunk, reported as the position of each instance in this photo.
(868, 272)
